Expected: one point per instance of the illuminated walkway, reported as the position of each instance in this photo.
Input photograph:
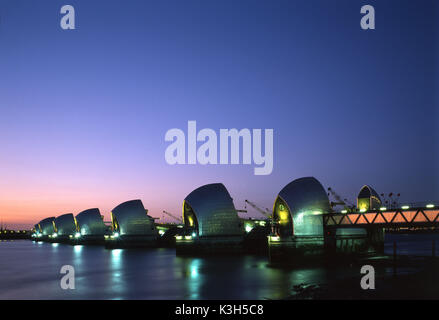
(393, 218)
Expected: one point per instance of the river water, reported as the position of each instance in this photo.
(31, 270)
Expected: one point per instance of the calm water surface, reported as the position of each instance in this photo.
(30, 270)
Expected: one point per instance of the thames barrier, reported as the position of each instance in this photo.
(303, 225)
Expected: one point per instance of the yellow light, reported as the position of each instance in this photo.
(430, 205)
(274, 238)
(178, 237)
(363, 210)
(188, 237)
(283, 215)
(383, 208)
(363, 204)
(344, 211)
(405, 207)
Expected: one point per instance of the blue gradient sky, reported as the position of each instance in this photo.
(84, 112)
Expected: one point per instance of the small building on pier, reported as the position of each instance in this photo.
(299, 230)
(65, 226)
(91, 227)
(132, 226)
(47, 227)
(211, 222)
(298, 207)
(368, 199)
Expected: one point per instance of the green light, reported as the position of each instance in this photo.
(363, 210)
(430, 205)
(274, 238)
(77, 235)
(383, 208)
(188, 237)
(161, 232)
(54, 235)
(344, 211)
(178, 237)
(405, 207)
(193, 234)
(248, 228)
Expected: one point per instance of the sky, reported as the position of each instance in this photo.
(84, 112)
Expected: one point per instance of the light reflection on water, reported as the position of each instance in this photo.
(30, 270)
(117, 283)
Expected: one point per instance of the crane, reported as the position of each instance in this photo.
(392, 202)
(172, 216)
(340, 201)
(265, 213)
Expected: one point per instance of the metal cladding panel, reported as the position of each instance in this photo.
(305, 198)
(46, 226)
(90, 222)
(65, 224)
(132, 219)
(214, 210)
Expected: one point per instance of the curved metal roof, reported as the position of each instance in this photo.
(305, 194)
(367, 191)
(306, 199)
(89, 222)
(368, 198)
(132, 219)
(214, 210)
(46, 226)
(65, 224)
